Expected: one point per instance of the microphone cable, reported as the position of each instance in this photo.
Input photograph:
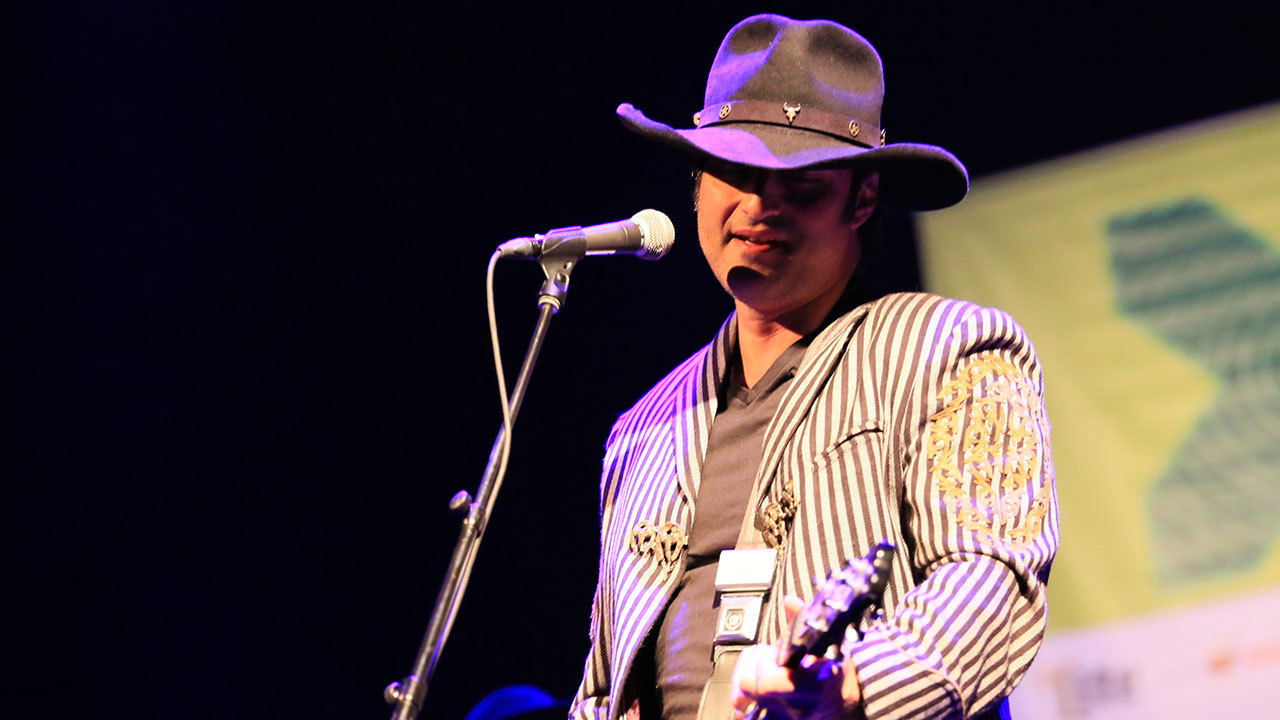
(505, 450)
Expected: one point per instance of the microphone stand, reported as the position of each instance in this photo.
(407, 695)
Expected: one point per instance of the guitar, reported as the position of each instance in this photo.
(842, 599)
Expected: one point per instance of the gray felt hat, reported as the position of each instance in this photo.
(790, 94)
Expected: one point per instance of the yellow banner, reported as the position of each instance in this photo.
(1148, 276)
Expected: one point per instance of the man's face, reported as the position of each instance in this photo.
(780, 242)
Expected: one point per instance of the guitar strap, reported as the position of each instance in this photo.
(744, 577)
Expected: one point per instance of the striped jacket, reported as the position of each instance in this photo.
(913, 418)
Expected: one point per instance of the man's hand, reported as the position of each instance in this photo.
(821, 690)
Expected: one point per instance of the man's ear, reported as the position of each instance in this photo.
(867, 199)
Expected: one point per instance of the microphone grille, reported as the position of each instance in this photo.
(659, 234)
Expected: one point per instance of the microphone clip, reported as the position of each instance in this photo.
(557, 265)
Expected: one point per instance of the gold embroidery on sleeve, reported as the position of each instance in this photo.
(987, 448)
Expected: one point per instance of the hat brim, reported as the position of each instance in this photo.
(912, 175)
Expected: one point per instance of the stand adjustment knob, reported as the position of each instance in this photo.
(459, 503)
(393, 693)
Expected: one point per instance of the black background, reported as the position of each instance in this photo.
(243, 295)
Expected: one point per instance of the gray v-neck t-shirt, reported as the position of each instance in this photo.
(682, 647)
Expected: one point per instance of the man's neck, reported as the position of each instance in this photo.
(761, 339)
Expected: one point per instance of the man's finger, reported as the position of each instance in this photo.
(791, 606)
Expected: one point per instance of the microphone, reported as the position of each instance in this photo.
(648, 235)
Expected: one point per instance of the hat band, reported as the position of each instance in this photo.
(788, 115)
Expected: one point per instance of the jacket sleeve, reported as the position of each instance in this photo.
(980, 521)
(592, 701)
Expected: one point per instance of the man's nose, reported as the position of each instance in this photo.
(763, 194)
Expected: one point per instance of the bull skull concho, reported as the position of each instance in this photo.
(776, 517)
(664, 542)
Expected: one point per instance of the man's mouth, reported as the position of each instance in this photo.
(759, 242)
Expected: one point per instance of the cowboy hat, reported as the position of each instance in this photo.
(789, 94)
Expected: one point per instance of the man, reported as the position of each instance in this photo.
(816, 424)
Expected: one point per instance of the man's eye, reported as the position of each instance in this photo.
(806, 193)
(737, 177)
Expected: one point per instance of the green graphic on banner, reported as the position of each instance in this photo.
(1212, 291)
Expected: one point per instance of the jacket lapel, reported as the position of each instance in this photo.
(643, 592)
(696, 409)
(811, 377)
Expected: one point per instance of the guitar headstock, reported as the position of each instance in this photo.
(843, 598)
